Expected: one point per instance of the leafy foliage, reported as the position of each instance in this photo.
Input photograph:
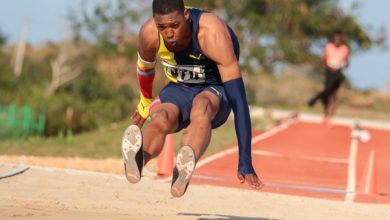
(3, 38)
(94, 97)
(112, 25)
(291, 31)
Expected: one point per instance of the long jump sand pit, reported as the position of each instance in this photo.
(59, 193)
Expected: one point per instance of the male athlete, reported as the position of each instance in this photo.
(199, 53)
(334, 59)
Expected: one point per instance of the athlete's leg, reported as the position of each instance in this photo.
(138, 149)
(334, 86)
(198, 133)
(339, 80)
(164, 120)
(195, 140)
(322, 95)
(330, 87)
(332, 104)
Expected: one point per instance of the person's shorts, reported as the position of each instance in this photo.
(333, 81)
(182, 96)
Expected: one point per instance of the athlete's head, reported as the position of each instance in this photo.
(171, 19)
(163, 7)
(337, 38)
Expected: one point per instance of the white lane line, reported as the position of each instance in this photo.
(234, 149)
(351, 185)
(267, 153)
(308, 158)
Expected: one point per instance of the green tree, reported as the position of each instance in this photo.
(292, 31)
(112, 25)
(3, 38)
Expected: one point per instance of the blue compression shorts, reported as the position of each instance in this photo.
(182, 96)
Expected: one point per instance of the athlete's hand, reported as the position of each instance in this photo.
(138, 119)
(252, 180)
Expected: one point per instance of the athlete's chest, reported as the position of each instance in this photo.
(187, 66)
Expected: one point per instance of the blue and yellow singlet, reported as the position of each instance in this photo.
(191, 66)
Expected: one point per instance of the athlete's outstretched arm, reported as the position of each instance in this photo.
(217, 45)
(147, 47)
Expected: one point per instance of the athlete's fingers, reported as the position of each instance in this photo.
(141, 122)
(134, 118)
(133, 115)
(253, 181)
(250, 180)
(240, 177)
(137, 119)
(257, 182)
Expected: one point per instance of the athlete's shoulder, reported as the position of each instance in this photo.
(148, 36)
(211, 22)
(329, 45)
(345, 47)
(211, 27)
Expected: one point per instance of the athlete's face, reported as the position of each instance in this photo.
(174, 28)
(337, 39)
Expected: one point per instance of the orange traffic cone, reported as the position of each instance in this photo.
(368, 182)
(165, 160)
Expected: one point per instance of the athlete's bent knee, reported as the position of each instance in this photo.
(160, 120)
(202, 108)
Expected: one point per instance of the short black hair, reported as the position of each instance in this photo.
(337, 32)
(167, 6)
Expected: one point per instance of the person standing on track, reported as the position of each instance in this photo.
(335, 58)
(199, 53)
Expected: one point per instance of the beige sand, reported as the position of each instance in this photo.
(61, 193)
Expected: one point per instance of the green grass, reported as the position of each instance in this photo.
(105, 142)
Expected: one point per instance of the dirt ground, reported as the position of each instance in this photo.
(79, 188)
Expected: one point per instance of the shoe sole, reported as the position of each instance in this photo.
(131, 145)
(184, 168)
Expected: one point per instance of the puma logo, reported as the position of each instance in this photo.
(195, 57)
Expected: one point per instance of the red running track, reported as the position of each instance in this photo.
(305, 159)
(380, 143)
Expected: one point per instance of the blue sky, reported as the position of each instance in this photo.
(370, 69)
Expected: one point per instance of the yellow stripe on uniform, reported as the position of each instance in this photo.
(167, 56)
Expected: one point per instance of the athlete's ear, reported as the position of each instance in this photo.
(186, 14)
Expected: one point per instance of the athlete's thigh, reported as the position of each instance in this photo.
(181, 96)
(220, 105)
(224, 107)
(169, 112)
(207, 97)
